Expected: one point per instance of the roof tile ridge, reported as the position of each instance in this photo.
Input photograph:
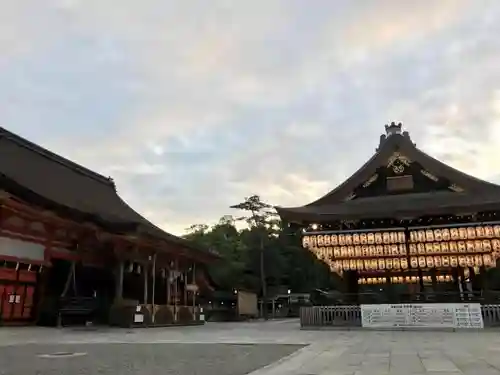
(4, 133)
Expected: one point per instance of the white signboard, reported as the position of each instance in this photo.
(429, 315)
(138, 318)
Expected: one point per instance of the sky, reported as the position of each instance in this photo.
(192, 105)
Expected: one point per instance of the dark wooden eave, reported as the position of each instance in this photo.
(48, 180)
(477, 195)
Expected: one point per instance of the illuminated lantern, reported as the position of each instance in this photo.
(445, 247)
(421, 248)
(440, 278)
(394, 250)
(486, 246)
(453, 247)
(355, 239)
(480, 232)
(396, 263)
(369, 280)
(378, 238)
(413, 249)
(462, 246)
(357, 251)
(413, 262)
(469, 245)
(462, 262)
(413, 236)
(414, 279)
(365, 251)
(381, 264)
(471, 233)
(348, 239)
(446, 234)
(352, 264)
(446, 261)
(359, 264)
(393, 237)
(478, 260)
(334, 240)
(469, 259)
(306, 242)
(495, 244)
(437, 262)
(487, 260)
(421, 235)
(320, 240)
(462, 233)
(350, 251)
(374, 264)
(438, 235)
(496, 230)
(488, 231)
(386, 238)
(430, 261)
(404, 263)
(330, 252)
(401, 237)
(429, 248)
(336, 252)
(380, 250)
(388, 263)
(387, 249)
(453, 261)
(372, 250)
(345, 264)
(342, 239)
(362, 239)
(437, 248)
(367, 264)
(402, 249)
(429, 235)
(478, 246)
(421, 262)
(381, 280)
(370, 238)
(326, 240)
(454, 234)
(343, 251)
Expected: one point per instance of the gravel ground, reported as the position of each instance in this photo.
(144, 359)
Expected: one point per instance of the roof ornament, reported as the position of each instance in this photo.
(393, 129)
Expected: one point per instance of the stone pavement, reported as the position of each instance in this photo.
(325, 352)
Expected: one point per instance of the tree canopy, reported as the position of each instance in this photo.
(287, 265)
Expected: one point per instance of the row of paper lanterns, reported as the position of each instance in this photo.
(477, 246)
(477, 260)
(395, 237)
(403, 279)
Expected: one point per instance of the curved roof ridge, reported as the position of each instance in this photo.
(4, 133)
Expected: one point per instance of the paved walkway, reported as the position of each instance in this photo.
(326, 352)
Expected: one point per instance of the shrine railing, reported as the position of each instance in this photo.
(349, 316)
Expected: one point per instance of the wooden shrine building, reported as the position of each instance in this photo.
(404, 223)
(69, 244)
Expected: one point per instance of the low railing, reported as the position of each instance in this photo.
(350, 316)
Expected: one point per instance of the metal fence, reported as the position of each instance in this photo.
(349, 316)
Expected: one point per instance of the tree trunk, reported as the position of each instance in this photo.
(263, 279)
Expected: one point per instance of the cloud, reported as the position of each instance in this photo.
(191, 106)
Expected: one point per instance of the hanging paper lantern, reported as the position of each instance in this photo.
(495, 244)
(345, 264)
(421, 248)
(488, 231)
(446, 234)
(352, 264)
(471, 233)
(355, 239)
(487, 260)
(342, 239)
(413, 236)
(381, 264)
(319, 239)
(306, 241)
(402, 250)
(478, 260)
(454, 261)
(348, 239)
(445, 247)
(396, 263)
(359, 264)
(357, 251)
(486, 246)
(393, 237)
(388, 263)
(386, 238)
(469, 246)
(454, 234)
(337, 252)
(334, 240)
(429, 248)
(480, 232)
(394, 250)
(387, 250)
(401, 237)
(378, 238)
(372, 250)
(469, 259)
(413, 249)
(437, 261)
(438, 235)
(430, 261)
(454, 246)
(413, 262)
(380, 250)
(350, 251)
(429, 235)
(462, 261)
(462, 246)
(445, 260)
(478, 246)
(421, 262)
(362, 239)
(462, 233)
(370, 238)
(326, 240)
(404, 263)
(436, 248)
